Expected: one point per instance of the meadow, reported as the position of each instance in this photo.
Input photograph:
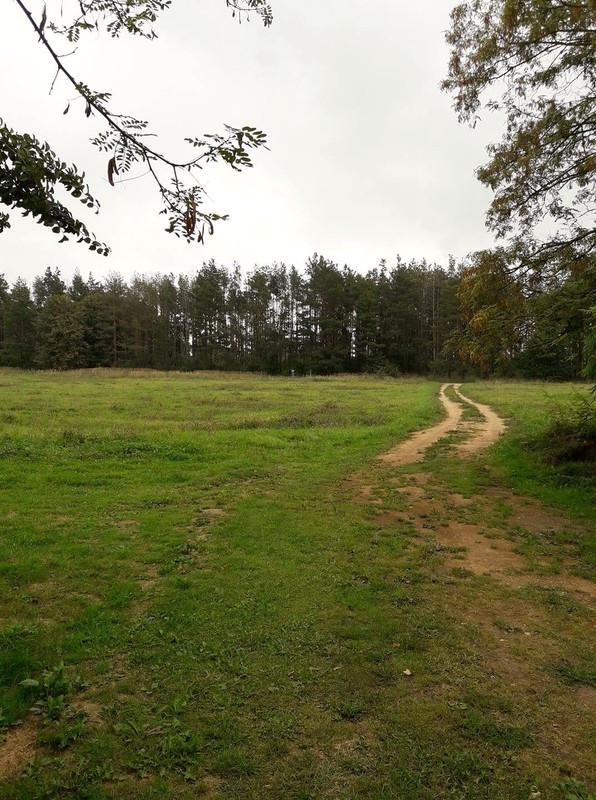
(210, 587)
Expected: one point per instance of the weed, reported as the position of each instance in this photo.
(575, 790)
(462, 572)
(51, 691)
(509, 737)
(581, 673)
(61, 733)
(350, 710)
(553, 598)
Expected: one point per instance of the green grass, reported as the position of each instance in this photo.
(518, 462)
(259, 652)
(528, 408)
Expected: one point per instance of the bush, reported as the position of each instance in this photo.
(571, 436)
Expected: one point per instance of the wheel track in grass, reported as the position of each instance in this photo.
(480, 435)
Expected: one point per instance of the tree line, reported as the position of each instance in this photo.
(410, 318)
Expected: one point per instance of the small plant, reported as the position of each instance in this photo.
(575, 790)
(61, 733)
(51, 692)
(72, 438)
(462, 572)
(350, 709)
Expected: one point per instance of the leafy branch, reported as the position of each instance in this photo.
(29, 173)
(126, 138)
(540, 59)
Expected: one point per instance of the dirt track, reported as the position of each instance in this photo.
(483, 551)
(484, 433)
(480, 434)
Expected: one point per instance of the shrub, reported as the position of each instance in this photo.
(571, 436)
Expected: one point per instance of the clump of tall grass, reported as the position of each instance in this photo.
(571, 434)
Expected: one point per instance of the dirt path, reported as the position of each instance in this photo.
(479, 434)
(484, 433)
(413, 449)
(472, 532)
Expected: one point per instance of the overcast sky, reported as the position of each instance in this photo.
(367, 158)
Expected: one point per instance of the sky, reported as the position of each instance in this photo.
(367, 159)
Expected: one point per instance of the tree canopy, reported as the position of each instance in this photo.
(30, 171)
(396, 319)
(533, 61)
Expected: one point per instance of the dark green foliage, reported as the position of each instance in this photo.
(30, 172)
(48, 285)
(61, 334)
(511, 325)
(17, 337)
(411, 318)
(561, 329)
(576, 790)
(590, 348)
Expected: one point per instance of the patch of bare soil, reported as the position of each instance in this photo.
(586, 699)
(125, 524)
(459, 500)
(214, 512)
(531, 515)
(149, 578)
(90, 708)
(484, 541)
(419, 478)
(17, 749)
(484, 552)
(212, 785)
(360, 490)
(413, 492)
(515, 657)
(563, 583)
(481, 555)
(413, 449)
(389, 517)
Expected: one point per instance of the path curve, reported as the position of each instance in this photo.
(413, 449)
(485, 433)
(482, 434)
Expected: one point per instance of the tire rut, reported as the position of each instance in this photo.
(479, 435)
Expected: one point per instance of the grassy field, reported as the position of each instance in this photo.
(529, 407)
(199, 599)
